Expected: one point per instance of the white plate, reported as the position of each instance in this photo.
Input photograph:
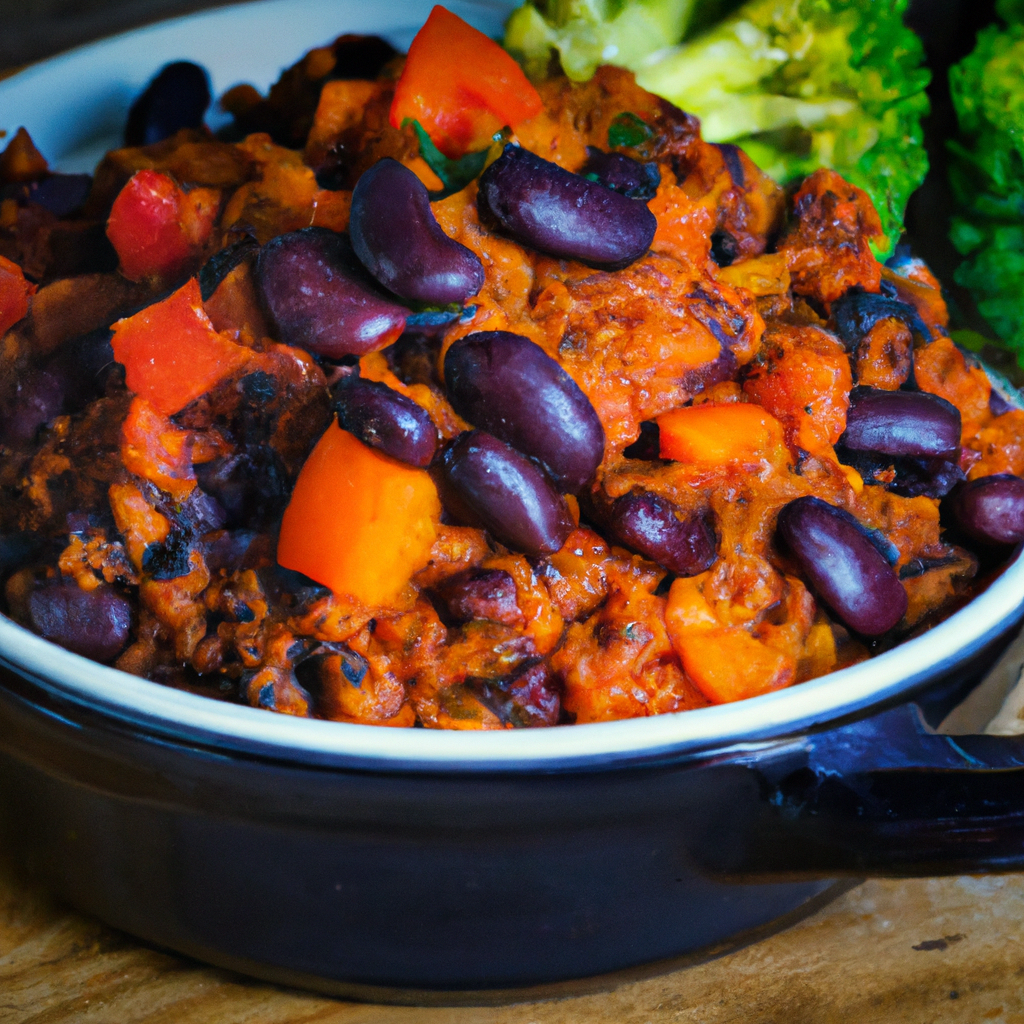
(74, 106)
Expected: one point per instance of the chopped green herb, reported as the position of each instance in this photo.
(627, 129)
(455, 175)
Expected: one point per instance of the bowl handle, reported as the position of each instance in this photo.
(883, 796)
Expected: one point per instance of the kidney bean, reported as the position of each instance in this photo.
(652, 526)
(37, 397)
(61, 194)
(510, 387)
(911, 423)
(251, 487)
(482, 594)
(855, 313)
(990, 509)
(548, 208)
(396, 236)
(932, 478)
(93, 623)
(321, 298)
(176, 98)
(484, 482)
(622, 173)
(382, 418)
(845, 569)
(529, 700)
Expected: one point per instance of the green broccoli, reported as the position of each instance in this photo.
(987, 173)
(798, 84)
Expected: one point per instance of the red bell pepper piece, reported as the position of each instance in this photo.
(461, 86)
(171, 352)
(155, 449)
(158, 228)
(14, 294)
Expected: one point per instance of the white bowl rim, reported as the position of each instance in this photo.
(192, 719)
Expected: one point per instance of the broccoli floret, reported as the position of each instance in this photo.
(587, 33)
(798, 84)
(987, 173)
(801, 84)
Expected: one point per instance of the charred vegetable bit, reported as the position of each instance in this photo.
(440, 399)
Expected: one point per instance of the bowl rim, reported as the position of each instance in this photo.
(110, 69)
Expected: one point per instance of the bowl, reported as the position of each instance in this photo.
(414, 865)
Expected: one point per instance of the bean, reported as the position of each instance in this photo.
(93, 623)
(397, 238)
(321, 298)
(991, 509)
(622, 173)
(384, 419)
(176, 98)
(251, 486)
(855, 313)
(484, 482)
(482, 594)
(563, 214)
(510, 387)
(37, 397)
(846, 570)
(932, 478)
(529, 700)
(911, 423)
(655, 528)
(61, 194)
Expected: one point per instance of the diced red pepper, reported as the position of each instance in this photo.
(171, 352)
(158, 228)
(461, 86)
(155, 449)
(14, 294)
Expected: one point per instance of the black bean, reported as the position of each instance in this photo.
(36, 398)
(321, 298)
(655, 528)
(481, 594)
(381, 417)
(622, 173)
(990, 509)
(563, 214)
(845, 569)
(510, 387)
(176, 98)
(396, 236)
(93, 623)
(912, 423)
(855, 313)
(484, 482)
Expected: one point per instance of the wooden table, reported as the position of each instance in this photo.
(926, 951)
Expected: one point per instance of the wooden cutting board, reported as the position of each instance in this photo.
(927, 951)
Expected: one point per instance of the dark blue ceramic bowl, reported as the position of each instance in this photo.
(417, 865)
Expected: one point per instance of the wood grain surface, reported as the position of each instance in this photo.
(927, 951)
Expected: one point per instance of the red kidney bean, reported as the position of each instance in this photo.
(990, 509)
(510, 387)
(93, 623)
(900, 423)
(652, 526)
(484, 482)
(61, 194)
(321, 298)
(845, 569)
(251, 486)
(176, 98)
(622, 173)
(855, 313)
(37, 397)
(481, 594)
(548, 208)
(381, 417)
(396, 236)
